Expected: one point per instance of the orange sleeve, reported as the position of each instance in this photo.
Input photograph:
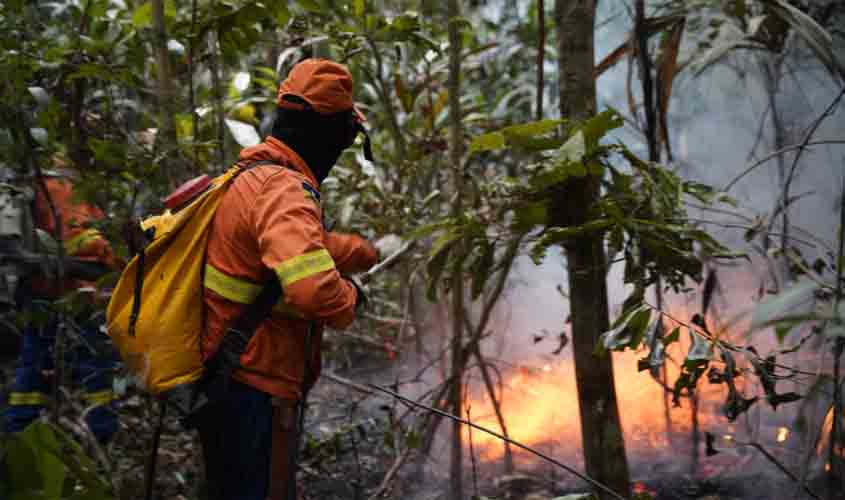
(351, 253)
(80, 240)
(291, 242)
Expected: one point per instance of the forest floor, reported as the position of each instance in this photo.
(352, 446)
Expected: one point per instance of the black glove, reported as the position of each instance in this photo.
(361, 300)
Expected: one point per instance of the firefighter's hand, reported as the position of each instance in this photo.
(361, 292)
(387, 246)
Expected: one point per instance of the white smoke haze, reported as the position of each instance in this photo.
(715, 122)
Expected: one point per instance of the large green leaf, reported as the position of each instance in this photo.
(531, 136)
(42, 463)
(597, 127)
(488, 142)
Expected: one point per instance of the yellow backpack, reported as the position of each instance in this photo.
(155, 315)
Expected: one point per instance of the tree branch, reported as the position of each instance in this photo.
(495, 434)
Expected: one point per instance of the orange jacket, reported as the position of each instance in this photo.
(269, 223)
(80, 240)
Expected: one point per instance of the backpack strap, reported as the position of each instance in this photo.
(139, 277)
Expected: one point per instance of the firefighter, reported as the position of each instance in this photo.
(269, 226)
(88, 360)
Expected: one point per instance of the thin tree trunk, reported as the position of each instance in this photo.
(771, 72)
(215, 66)
(458, 310)
(195, 123)
(541, 55)
(647, 80)
(604, 446)
(696, 432)
(166, 107)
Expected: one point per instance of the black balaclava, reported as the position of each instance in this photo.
(318, 139)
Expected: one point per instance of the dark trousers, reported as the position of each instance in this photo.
(90, 363)
(236, 435)
(247, 439)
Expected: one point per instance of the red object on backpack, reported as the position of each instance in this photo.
(187, 192)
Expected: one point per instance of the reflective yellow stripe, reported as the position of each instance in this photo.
(27, 399)
(82, 239)
(99, 398)
(234, 289)
(240, 291)
(303, 266)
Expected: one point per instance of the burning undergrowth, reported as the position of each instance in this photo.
(728, 436)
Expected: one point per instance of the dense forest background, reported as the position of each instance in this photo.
(626, 220)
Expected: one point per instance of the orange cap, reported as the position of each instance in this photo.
(325, 85)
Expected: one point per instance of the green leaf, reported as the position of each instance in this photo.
(782, 329)
(142, 17)
(481, 268)
(407, 22)
(358, 8)
(435, 267)
(673, 336)
(461, 22)
(598, 126)
(487, 142)
(558, 235)
(34, 460)
(531, 136)
(282, 14)
(311, 6)
(573, 150)
(170, 9)
(626, 315)
(530, 215)
(530, 129)
(700, 349)
(786, 397)
(629, 332)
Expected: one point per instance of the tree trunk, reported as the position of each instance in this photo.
(215, 66)
(167, 139)
(456, 482)
(604, 447)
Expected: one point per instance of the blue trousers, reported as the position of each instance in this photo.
(237, 436)
(88, 366)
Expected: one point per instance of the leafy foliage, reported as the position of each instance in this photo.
(44, 463)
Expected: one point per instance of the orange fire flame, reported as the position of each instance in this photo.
(540, 407)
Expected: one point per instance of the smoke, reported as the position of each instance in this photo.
(720, 124)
